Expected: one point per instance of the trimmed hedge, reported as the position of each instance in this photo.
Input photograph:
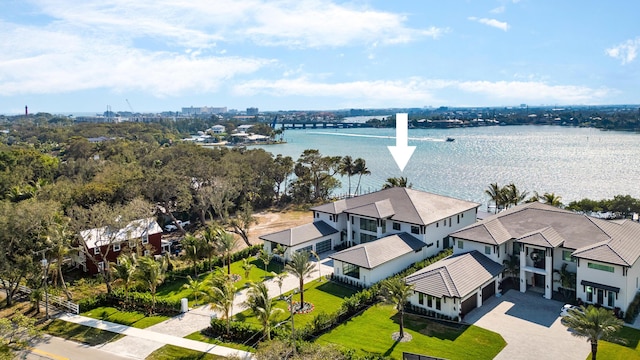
(138, 301)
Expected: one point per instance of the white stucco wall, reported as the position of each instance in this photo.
(557, 265)
(369, 277)
(633, 284)
(449, 306)
(602, 277)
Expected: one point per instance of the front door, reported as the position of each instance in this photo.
(600, 296)
(538, 280)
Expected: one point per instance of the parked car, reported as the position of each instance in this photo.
(565, 309)
(173, 227)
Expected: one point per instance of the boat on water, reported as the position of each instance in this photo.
(450, 139)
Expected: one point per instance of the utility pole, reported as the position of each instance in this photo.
(45, 267)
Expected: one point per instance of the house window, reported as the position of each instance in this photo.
(145, 238)
(429, 301)
(566, 256)
(365, 238)
(487, 249)
(368, 225)
(101, 266)
(116, 247)
(421, 298)
(611, 299)
(147, 253)
(351, 270)
(589, 294)
(96, 251)
(396, 226)
(458, 219)
(415, 229)
(460, 244)
(438, 304)
(600, 267)
(352, 220)
(462, 215)
(438, 244)
(317, 215)
(449, 222)
(438, 224)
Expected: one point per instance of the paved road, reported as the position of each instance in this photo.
(56, 348)
(531, 327)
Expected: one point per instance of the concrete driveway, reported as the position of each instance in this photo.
(530, 324)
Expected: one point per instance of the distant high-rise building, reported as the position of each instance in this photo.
(203, 110)
(252, 111)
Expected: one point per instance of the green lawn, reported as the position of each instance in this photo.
(325, 296)
(80, 333)
(199, 337)
(631, 350)
(371, 333)
(171, 352)
(174, 290)
(130, 318)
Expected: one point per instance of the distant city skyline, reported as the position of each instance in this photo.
(66, 56)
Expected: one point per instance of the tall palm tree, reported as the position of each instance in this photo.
(125, 270)
(191, 246)
(226, 244)
(151, 273)
(396, 182)
(513, 195)
(347, 167)
(263, 306)
(497, 196)
(300, 267)
(396, 291)
(221, 296)
(360, 168)
(552, 199)
(594, 324)
(60, 239)
(315, 255)
(247, 266)
(279, 279)
(567, 280)
(210, 238)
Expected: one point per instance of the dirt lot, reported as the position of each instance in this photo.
(270, 222)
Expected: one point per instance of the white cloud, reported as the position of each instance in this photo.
(498, 10)
(626, 52)
(418, 90)
(491, 22)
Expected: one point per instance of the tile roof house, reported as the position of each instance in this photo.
(415, 223)
(104, 244)
(602, 254)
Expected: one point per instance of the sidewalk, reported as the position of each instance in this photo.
(140, 343)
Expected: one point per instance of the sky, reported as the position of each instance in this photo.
(69, 56)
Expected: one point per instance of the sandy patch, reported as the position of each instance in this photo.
(274, 221)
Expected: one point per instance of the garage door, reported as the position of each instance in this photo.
(323, 246)
(469, 304)
(306, 248)
(488, 292)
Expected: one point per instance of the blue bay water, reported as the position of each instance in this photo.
(574, 163)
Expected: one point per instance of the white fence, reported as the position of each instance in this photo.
(54, 300)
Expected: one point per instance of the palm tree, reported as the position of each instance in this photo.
(495, 193)
(151, 273)
(195, 285)
(347, 167)
(512, 267)
(125, 270)
(190, 245)
(594, 324)
(210, 237)
(247, 266)
(265, 257)
(513, 195)
(279, 279)
(552, 199)
(396, 182)
(396, 291)
(567, 280)
(263, 306)
(60, 239)
(360, 168)
(315, 255)
(300, 267)
(221, 296)
(226, 244)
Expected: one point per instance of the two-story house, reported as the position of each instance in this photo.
(378, 234)
(601, 255)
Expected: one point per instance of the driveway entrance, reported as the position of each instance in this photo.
(530, 324)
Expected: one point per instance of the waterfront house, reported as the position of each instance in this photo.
(106, 244)
(378, 234)
(556, 251)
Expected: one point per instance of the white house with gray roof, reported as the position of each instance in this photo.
(602, 254)
(381, 233)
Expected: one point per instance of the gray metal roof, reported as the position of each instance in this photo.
(301, 234)
(408, 205)
(455, 276)
(610, 241)
(371, 254)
